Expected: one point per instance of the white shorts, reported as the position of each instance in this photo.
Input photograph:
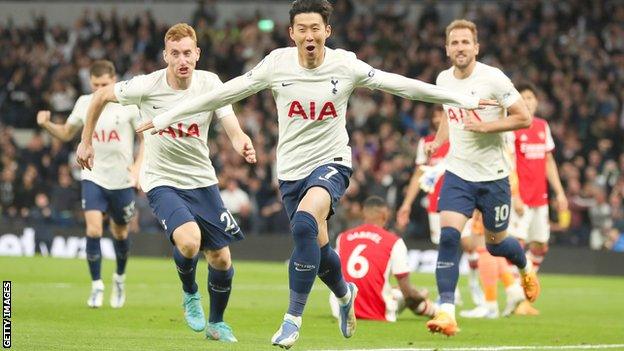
(434, 227)
(533, 226)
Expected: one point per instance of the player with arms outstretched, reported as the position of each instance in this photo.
(178, 176)
(535, 164)
(311, 84)
(477, 169)
(369, 254)
(108, 187)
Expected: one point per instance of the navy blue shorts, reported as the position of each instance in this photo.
(492, 198)
(332, 177)
(174, 207)
(119, 204)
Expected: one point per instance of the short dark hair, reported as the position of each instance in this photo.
(102, 67)
(522, 86)
(322, 7)
(375, 202)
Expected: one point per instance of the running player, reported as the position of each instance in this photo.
(535, 164)
(477, 170)
(368, 254)
(311, 84)
(179, 178)
(429, 175)
(107, 188)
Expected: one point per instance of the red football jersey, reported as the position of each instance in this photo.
(368, 255)
(530, 146)
(437, 157)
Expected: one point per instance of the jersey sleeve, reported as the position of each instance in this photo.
(134, 116)
(421, 156)
(234, 90)
(504, 91)
(131, 92)
(79, 112)
(366, 76)
(225, 110)
(550, 143)
(398, 258)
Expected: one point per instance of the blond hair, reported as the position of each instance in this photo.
(179, 31)
(462, 24)
(102, 67)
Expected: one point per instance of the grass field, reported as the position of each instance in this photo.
(50, 312)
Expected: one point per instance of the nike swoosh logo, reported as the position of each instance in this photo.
(156, 108)
(287, 84)
(499, 225)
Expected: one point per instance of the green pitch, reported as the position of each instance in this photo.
(50, 312)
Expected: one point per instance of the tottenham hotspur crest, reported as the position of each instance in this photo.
(334, 82)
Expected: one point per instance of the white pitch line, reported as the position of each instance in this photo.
(498, 348)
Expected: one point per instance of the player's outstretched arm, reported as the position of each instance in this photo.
(85, 154)
(414, 89)
(241, 142)
(518, 117)
(231, 91)
(64, 132)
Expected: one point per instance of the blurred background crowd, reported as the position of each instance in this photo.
(573, 51)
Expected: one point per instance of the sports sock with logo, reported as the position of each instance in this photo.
(219, 288)
(330, 272)
(94, 257)
(186, 270)
(447, 268)
(121, 254)
(304, 261)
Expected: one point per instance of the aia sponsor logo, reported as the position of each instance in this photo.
(181, 131)
(103, 136)
(457, 115)
(310, 110)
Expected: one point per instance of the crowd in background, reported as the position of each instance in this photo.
(573, 51)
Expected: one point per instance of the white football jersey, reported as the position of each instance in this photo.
(179, 155)
(113, 142)
(312, 104)
(478, 157)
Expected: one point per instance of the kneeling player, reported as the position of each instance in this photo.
(368, 254)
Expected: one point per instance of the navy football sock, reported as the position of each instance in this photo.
(121, 253)
(447, 268)
(330, 271)
(304, 261)
(186, 270)
(94, 257)
(510, 249)
(219, 287)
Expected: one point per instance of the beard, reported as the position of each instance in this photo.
(466, 62)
